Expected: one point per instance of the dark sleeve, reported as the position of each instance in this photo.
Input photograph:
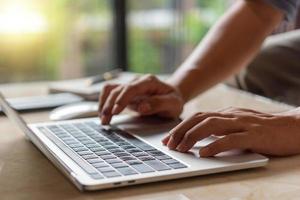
(288, 7)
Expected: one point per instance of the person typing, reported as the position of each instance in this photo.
(232, 44)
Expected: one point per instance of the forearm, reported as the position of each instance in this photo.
(231, 44)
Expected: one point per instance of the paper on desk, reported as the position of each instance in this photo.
(79, 86)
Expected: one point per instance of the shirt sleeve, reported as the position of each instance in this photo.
(288, 7)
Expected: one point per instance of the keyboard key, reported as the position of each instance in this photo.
(170, 161)
(105, 169)
(101, 140)
(87, 142)
(81, 153)
(135, 150)
(61, 134)
(126, 158)
(95, 160)
(116, 150)
(92, 145)
(81, 148)
(140, 154)
(111, 147)
(83, 138)
(122, 143)
(177, 166)
(100, 165)
(75, 145)
(111, 174)
(128, 147)
(126, 171)
(156, 153)
(106, 143)
(89, 156)
(142, 145)
(119, 165)
(65, 137)
(122, 154)
(102, 153)
(97, 176)
(133, 162)
(111, 161)
(157, 165)
(146, 158)
(164, 157)
(142, 168)
(69, 140)
(98, 148)
(106, 157)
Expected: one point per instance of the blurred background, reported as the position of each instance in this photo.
(64, 39)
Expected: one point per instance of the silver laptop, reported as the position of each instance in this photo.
(128, 152)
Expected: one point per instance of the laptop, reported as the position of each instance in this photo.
(128, 152)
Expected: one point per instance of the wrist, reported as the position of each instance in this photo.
(177, 89)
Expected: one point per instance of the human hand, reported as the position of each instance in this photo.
(146, 95)
(270, 134)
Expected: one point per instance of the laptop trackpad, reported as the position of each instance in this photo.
(207, 141)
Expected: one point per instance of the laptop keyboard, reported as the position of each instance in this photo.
(104, 153)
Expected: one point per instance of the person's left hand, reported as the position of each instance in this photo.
(270, 134)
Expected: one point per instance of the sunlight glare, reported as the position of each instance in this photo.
(18, 19)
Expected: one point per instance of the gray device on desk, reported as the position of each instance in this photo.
(129, 152)
(43, 102)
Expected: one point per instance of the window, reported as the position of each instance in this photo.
(162, 33)
(63, 39)
(54, 39)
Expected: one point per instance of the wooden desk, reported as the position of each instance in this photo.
(26, 174)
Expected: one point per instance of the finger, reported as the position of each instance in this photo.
(166, 140)
(164, 105)
(208, 127)
(136, 101)
(106, 113)
(229, 142)
(104, 94)
(233, 109)
(142, 86)
(176, 133)
(179, 131)
(244, 111)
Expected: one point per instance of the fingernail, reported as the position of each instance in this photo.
(116, 109)
(164, 141)
(171, 144)
(105, 112)
(104, 120)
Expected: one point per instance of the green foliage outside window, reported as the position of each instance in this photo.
(77, 26)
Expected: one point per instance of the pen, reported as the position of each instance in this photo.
(104, 77)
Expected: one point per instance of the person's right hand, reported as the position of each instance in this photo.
(146, 95)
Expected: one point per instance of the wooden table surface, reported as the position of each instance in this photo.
(26, 174)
